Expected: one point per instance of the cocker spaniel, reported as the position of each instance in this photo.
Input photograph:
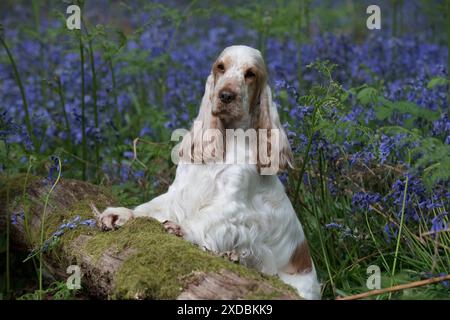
(225, 206)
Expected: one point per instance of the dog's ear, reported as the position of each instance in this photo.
(197, 146)
(273, 144)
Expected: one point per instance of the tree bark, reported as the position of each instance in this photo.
(138, 261)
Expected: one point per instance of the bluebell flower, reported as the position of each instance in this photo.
(15, 217)
(128, 154)
(390, 230)
(88, 222)
(58, 233)
(439, 223)
(54, 170)
(364, 200)
(139, 174)
(333, 225)
(386, 146)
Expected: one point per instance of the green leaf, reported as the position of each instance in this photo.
(344, 96)
(283, 95)
(438, 81)
(122, 38)
(367, 95)
(387, 108)
(383, 112)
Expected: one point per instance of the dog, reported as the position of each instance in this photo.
(229, 207)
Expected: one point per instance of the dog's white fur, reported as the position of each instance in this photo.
(231, 207)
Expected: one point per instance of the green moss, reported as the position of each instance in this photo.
(156, 265)
(82, 209)
(62, 197)
(160, 263)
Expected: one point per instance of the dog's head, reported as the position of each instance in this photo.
(239, 76)
(237, 96)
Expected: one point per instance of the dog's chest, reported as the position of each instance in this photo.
(235, 193)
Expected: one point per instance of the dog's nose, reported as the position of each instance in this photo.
(227, 96)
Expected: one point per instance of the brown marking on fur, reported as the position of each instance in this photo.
(227, 60)
(259, 83)
(300, 260)
(215, 124)
(263, 121)
(256, 111)
(256, 96)
(114, 219)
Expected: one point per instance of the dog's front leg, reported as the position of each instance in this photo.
(158, 208)
(112, 218)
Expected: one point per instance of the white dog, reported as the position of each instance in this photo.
(226, 207)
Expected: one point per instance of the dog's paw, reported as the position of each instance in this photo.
(112, 218)
(173, 228)
(232, 255)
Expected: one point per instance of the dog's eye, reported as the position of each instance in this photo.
(221, 67)
(249, 74)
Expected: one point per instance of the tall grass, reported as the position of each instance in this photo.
(18, 79)
(83, 109)
(25, 204)
(42, 227)
(448, 46)
(62, 99)
(94, 95)
(8, 232)
(300, 42)
(399, 236)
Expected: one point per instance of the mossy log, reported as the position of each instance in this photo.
(138, 261)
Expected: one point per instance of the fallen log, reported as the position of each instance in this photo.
(138, 261)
